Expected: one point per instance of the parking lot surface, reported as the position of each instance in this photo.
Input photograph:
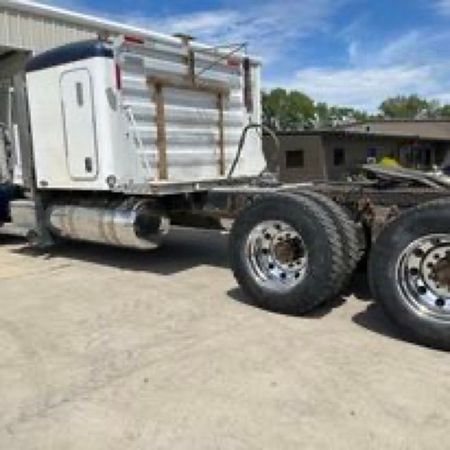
(104, 348)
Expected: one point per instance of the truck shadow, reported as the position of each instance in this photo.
(358, 287)
(371, 318)
(238, 295)
(6, 239)
(374, 319)
(183, 249)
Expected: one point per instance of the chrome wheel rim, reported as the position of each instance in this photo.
(423, 276)
(277, 254)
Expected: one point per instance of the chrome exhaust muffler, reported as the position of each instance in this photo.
(135, 227)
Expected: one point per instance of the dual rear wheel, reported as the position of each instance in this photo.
(291, 252)
(409, 273)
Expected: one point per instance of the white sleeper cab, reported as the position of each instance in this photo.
(126, 114)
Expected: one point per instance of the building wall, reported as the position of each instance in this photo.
(4, 100)
(319, 154)
(318, 162)
(8, 67)
(296, 149)
(20, 30)
(356, 152)
(25, 33)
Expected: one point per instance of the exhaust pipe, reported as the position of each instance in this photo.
(134, 227)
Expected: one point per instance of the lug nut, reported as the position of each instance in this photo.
(422, 290)
(440, 303)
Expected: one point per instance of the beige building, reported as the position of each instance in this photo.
(423, 129)
(334, 154)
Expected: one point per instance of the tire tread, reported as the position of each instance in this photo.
(329, 284)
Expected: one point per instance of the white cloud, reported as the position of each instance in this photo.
(205, 23)
(258, 22)
(443, 6)
(362, 88)
(415, 62)
(270, 29)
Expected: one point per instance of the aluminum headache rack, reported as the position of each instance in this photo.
(187, 107)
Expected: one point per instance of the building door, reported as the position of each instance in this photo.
(79, 123)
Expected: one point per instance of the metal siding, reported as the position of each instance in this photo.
(38, 33)
(191, 115)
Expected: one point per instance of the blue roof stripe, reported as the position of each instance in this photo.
(68, 53)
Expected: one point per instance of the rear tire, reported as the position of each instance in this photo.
(352, 247)
(287, 254)
(409, 273)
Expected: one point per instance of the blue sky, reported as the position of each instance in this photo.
(346, 52)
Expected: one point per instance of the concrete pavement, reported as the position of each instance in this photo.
(104, 348)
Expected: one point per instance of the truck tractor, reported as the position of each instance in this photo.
(114, 140)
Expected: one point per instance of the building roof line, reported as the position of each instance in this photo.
(391, 121)
(370, 135)
(96, 23)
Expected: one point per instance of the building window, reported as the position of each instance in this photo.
(295, 159)
(339, 157)
(372, 152)
(428, 159)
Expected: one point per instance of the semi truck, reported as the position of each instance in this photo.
(117, 139)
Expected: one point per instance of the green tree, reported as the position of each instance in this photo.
(293, 110)
(322, 114)
(274, 104)
(300, 111)
(328, 116)
(283, 110)
(444, 112)
(406, 107)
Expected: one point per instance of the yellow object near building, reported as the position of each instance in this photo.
(389, 162)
